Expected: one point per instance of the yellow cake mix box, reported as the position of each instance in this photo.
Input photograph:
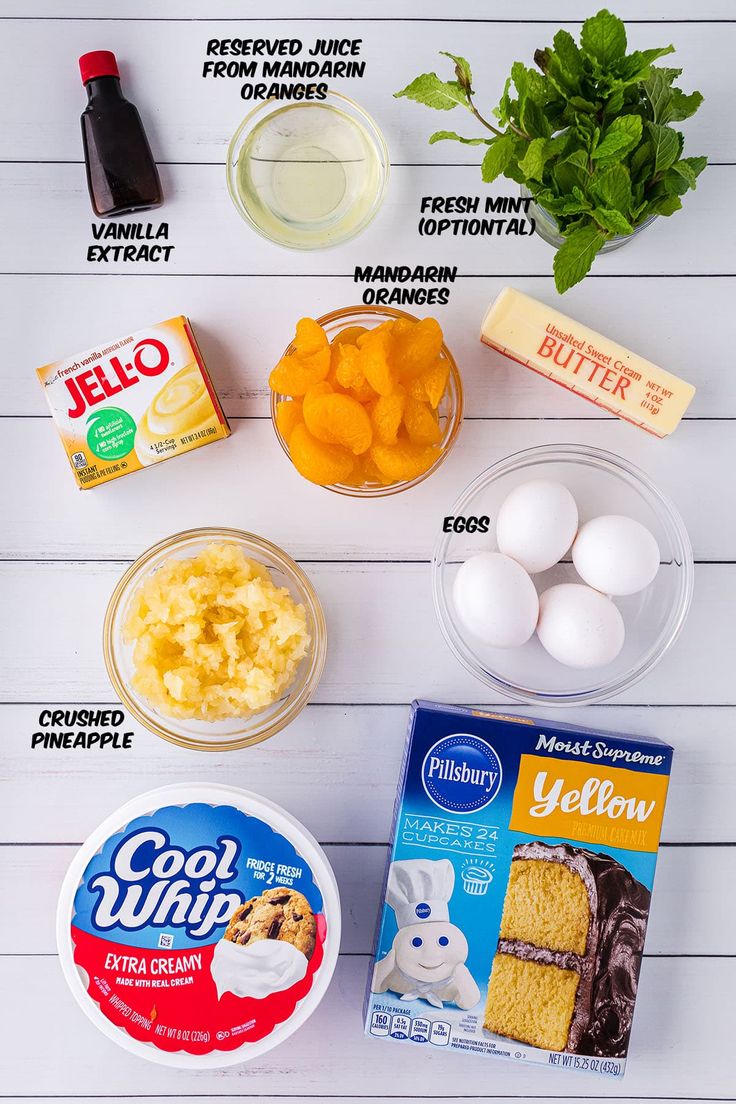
(517, 890)
(129, 403)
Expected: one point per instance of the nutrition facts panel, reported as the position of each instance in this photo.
(69, 280)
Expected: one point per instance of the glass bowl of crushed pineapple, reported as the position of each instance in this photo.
(214, 639)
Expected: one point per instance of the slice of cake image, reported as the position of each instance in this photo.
(566, 967)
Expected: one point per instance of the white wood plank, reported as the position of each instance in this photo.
(636, 11)
(52, 519)
(385, 643)
(192, 119)
(334, 750)
(698, 922)
(243, 330)
(682, 1012)
(210, 237)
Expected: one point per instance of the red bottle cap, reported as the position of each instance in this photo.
(98, 63)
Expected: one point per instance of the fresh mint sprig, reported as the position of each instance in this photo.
(588, 133)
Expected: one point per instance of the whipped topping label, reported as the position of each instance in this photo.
(198, 929)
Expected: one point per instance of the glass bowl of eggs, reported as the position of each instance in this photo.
(565, 577)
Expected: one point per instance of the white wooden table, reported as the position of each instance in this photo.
(669, 295)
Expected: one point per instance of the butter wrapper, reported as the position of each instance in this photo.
(586, 362)
(517, 891)
(126, 404)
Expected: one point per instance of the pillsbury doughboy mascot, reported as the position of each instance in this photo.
(427, 958)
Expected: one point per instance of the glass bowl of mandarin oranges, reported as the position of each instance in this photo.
(366, 401)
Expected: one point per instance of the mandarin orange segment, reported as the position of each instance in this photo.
(309, 338)
(367, 471)
(421, 422)
(317, 461)
(431, 385)
(339, 420)
(316, 391)
(404, 460)
(349, 336)
(374, 361)
(417, 348)
(288, 415)
(295, 374)
(386, 414)
(384, 328)
(347, 369)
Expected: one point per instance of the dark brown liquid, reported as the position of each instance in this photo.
(121, 173)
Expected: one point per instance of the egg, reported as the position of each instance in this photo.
(537, 523)
(616, 554)
(579, 626)
(495, 600)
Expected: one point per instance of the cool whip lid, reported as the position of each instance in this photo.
(145, 908)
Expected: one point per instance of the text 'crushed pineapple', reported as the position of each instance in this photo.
(213, 636)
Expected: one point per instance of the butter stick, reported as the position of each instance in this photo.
(586, 362)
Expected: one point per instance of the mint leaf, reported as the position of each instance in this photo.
(529, 83)
(659, 92)
(505, 109)
(603, 38)
(612, 188)
(462, 71)
(697, 164)
(665, 146)
(621, 137)
(570, 58)
(572, 171)
(636, 66)
(688, 168)
(433, 92)
(612, 220)
(450, 135)
(533, 120)
(536, 157)
(684, 106)
(664, 205)
(497, 158)
(575, 256)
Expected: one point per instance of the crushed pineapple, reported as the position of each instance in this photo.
(213, 637)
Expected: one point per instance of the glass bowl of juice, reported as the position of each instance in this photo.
(308, 175)
(449, 412)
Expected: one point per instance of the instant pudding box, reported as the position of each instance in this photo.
(130, 403)
(199, 926)
(518, 888)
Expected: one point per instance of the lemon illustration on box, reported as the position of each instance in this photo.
(427, 959)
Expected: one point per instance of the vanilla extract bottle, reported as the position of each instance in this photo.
(121, 173)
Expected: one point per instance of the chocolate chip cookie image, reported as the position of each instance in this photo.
(278, 913)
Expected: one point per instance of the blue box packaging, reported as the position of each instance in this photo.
(517, 889)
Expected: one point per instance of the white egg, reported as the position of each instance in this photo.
(537, 523)
(579, 627)
(495, 600)
(615, 554)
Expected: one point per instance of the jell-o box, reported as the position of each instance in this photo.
(586, 362)
(129, 403)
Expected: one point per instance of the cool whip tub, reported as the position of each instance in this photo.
(199, 926)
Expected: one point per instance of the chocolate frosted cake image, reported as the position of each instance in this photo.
(566, 967)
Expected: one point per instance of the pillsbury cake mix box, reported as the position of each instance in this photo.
(517, 890)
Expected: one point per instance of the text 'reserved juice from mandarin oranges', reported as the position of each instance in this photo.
(129, 403)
